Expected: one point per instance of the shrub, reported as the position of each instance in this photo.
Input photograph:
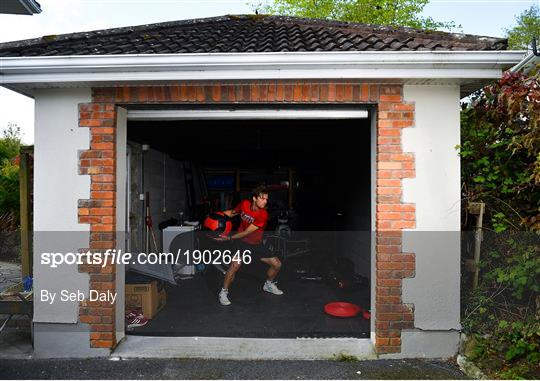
(500, 151)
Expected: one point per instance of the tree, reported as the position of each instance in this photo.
(380, 12)
(500, 152)
(528, 26)
(10, 144)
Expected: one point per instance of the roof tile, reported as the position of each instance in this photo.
(248, 33)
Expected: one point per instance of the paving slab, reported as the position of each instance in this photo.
(10, 274)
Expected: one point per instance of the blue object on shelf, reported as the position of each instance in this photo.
(221, 182)
(27, 283)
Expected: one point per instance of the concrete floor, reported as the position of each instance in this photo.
(15, 343)
(227, 369)
(192, 307)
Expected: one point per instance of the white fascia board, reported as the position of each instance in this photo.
(230, 66)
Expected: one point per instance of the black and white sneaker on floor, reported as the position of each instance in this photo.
(224, 297)
(272, 288)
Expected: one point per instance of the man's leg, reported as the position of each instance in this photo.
(273, 270)
(230, 274)
(275, 265)
(227, 281)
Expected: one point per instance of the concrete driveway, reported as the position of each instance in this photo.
(227, 369)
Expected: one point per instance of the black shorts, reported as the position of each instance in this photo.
(256, 251)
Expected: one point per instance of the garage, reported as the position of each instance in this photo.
(316, 164)
(352, 127)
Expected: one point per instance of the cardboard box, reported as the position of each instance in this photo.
(145, 297)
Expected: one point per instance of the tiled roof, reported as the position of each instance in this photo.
(248, 33)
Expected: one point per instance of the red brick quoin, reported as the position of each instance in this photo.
(392, 215)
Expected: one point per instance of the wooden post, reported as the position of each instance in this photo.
(478, 209)
(25, 203)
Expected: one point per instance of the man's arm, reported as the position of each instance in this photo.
(230, 213)
(250, 229)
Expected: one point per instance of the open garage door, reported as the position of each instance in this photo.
(316, 165)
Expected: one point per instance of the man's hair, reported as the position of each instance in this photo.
(258, 190)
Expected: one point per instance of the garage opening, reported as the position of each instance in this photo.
(318, 174)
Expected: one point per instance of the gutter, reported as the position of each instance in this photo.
(20, 7)
(526, 63)
(111, 69)
(31, 5)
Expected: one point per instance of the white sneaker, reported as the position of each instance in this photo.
(272, 288)
(223, 297)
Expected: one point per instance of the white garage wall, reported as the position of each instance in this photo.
(435, 290)
(57, 189)
(164, 179)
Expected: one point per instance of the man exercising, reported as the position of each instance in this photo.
(253, 217)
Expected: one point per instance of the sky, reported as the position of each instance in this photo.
(480, 17)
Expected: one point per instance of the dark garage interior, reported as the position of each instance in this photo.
(318, 175)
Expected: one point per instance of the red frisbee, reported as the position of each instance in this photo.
(342, 309)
